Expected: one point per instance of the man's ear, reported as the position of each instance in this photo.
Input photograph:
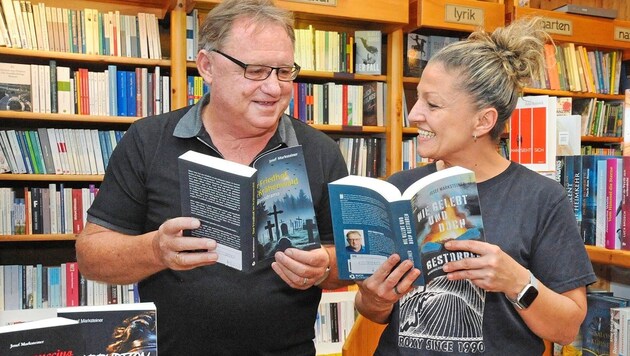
(205, 65)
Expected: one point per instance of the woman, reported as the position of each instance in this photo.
(532, 268)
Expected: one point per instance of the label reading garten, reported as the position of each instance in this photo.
(622, 34)
(558, 26)
(464, 15)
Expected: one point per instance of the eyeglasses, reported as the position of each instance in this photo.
(261, 72)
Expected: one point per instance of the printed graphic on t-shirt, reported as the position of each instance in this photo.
(447, 316)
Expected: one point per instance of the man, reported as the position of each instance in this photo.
(134, 229)
(355, 242)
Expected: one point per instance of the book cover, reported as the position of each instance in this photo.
(569, 138)
(15, 87)
(368, 52)
(116, 329)
(533, 132)
(587, 10)
(596, 327)
(265, 208)
(415, 223)
(50, 336)
(416, 54)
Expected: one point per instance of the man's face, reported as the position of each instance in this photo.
(251, 106)
(354, 241)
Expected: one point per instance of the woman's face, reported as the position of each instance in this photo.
(443, 114)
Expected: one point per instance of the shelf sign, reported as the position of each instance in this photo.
(317, 2)
(558, 26)
(464, 15)
(622, 34)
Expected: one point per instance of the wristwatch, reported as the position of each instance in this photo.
(526, 297)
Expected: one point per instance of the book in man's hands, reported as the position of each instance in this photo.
(251, 212)
(415, 224)
(50, 336)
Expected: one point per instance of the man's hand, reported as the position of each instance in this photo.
(301, 269)
(179, 252)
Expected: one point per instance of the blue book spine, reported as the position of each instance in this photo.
(121, 93)
(25, 151)
(104, 152)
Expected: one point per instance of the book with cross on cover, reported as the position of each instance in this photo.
(251, 212)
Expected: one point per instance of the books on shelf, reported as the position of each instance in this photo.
(415, 223)
(88, 31)
(368, 52)
(261, 209)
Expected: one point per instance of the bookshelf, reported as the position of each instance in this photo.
(55, 248)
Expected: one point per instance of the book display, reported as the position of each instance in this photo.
(85, 131)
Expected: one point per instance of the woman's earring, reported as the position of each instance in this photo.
(474, 137)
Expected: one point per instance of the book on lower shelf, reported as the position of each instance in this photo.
(50, 336)
(262, 209)
(415, 223)
(116, 329)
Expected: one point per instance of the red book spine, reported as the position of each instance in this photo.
(77, 211)
(72, 284)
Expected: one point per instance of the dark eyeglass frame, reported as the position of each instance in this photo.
(295, 70)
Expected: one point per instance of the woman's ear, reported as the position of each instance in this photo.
(486, 120)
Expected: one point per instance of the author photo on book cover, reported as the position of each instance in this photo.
(527, 281)
(135, 231)
(354, 239)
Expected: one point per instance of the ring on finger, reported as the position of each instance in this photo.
(396, 290)
(178, 258)
(305, 281)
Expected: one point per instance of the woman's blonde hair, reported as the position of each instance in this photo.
(494, 68)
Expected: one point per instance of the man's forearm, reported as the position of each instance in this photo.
(111, 257)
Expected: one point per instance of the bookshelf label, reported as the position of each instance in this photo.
(558, 26)
(464, 15)
(317, 2)
(622, 34)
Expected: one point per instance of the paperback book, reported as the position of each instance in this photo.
(415, 224)
(15, 87)
(368, 50)
(251, 212)
(50, 336)
(116, 329)
(416, 54)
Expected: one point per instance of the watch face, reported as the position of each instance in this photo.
(527, 298)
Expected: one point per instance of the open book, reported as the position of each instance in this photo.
(415, 223)
(251, 212)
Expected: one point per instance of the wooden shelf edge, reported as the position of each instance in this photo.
(586, 30)
(439, 14)
(601, 255)
(80, 57)
(51, 177)
(574, 94)
(349, 129)
(27, 115)
(38, 237)
(380, 11)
